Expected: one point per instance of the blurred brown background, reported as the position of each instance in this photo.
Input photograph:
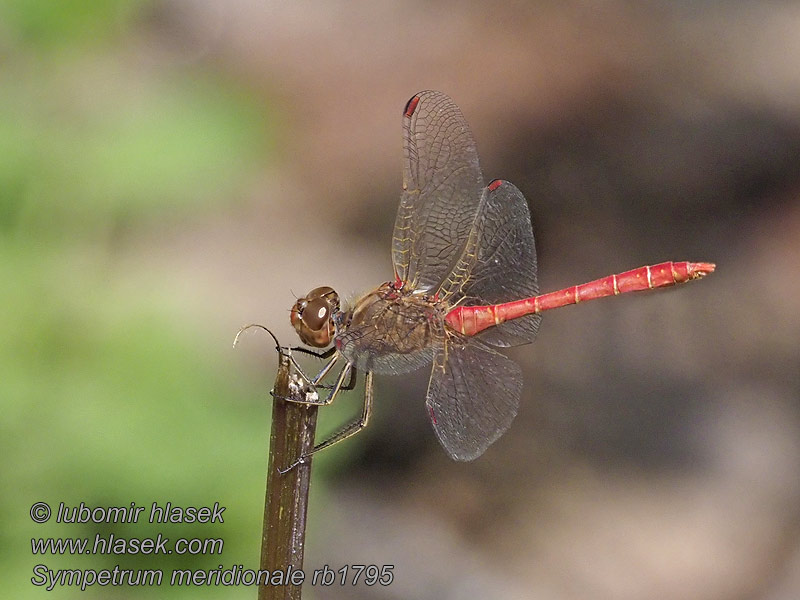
(657, 449)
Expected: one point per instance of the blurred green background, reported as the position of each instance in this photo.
(113, 389)
(173, 169)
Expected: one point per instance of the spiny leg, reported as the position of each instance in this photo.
(315, 381)
(326, 354)
(301, 383)
(354, 427)
(347, 370)
(352, 383)
(313, 398)
(326, 369)
(346, 431)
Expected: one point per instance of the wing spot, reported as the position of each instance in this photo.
(495, 184)
(411, 106)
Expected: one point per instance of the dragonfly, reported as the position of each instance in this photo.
(464, 286)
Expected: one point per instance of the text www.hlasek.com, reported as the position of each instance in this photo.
(112, 544)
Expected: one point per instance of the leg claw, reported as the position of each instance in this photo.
(297, 463)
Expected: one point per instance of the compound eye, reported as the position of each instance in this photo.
(316, 313)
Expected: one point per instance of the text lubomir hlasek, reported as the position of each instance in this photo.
(168, 513)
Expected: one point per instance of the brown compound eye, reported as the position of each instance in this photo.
(316, 313)
(312, 316)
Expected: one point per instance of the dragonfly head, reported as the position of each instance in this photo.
(313, 316)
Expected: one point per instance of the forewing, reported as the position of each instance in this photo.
(473, 397)
(499, 263)
(442, 186)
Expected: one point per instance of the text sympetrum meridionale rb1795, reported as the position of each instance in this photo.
(464, 284)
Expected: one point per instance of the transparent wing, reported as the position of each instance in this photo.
(499, 263)
(473, 396)
(442, 186)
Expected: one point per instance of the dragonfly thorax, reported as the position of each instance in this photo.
(313, 315)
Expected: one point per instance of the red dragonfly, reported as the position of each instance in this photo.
(464, 284)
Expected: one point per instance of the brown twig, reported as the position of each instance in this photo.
(292, 436)
(286, 503)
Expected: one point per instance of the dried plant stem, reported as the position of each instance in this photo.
(286, 504)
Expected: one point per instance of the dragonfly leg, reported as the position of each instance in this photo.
(346, 431)
(352, 383)
(304, 390)
(315, 381)
(302, 386)
(347, 370)
(327, 354)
